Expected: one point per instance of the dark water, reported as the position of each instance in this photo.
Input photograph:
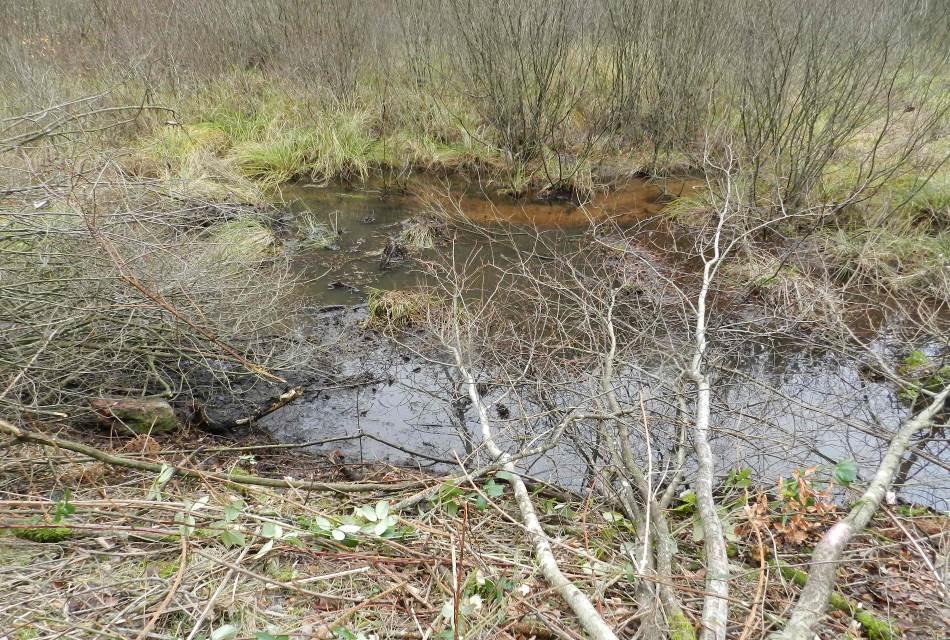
(794, 410)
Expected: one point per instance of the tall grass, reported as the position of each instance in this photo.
(538, 94)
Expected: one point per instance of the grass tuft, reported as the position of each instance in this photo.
(397, 308)
(245, 239)
(418, 235)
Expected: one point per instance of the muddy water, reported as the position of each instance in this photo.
(364, 220)
(816, 414)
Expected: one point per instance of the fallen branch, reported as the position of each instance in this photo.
(824, 561)
(154, 467)
(265, 410)
(589, 618)
(877, 627)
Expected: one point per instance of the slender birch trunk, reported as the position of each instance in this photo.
(716, 605)
(589, 618)
(813, 600)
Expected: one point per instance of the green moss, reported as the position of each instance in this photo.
(280, 571)
(25, 633)
(923, 374)
(45, 534)
(168, 569)
(680, 627)
(877, 627)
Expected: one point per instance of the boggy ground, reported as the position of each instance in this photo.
(97, 550)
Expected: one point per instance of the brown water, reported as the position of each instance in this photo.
(367, 218)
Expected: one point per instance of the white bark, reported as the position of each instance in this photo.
(824, 561)
(716, 605)
(589, 618)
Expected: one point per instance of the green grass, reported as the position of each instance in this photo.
(316, 234)
(281, 155)
(891, 259)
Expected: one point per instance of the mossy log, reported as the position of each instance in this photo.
(877, 627)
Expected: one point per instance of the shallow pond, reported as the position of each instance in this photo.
(817, 411)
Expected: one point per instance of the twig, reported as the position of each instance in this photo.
(182, 566)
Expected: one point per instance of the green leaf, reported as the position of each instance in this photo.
(186, 522)
(344, 634)
(63, 508)
(227, 632)
(271, 530)
(155, 491)
(504, 475)
(261, 635)
(267, 546)
(367, 512)
(846, 472)
(233, 509)
(481, 503)
(382, 509)
(493, 489)
(232, 538)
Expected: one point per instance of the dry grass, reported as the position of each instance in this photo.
(128, 550)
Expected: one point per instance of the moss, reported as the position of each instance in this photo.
(680, 627)
(168, 569)
(877, 627)
(25, 633)
(280, 571)
(922, 373)
(45, 534)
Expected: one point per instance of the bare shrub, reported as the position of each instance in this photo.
(111, 287)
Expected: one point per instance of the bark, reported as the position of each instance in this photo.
(716, 605)
(589, 618)
(813, 600)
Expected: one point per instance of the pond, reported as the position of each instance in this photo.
(397, 406)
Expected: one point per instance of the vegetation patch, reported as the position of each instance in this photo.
(398, 308)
